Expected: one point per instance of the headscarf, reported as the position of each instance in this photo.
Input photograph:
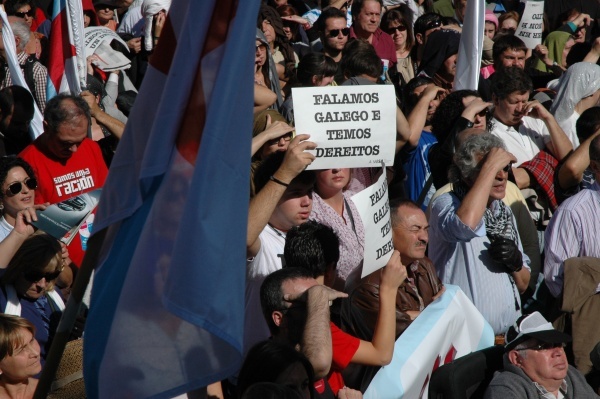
(281, 40)
(578, 82)
(555, 42)
(440, 46)
(149, 9)
(273, 76)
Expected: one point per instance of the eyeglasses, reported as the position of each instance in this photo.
(285, 137)
(391, 30)
(335, 32)
(545, 346)
(29, 13)
(16, 187)
(433, 24)
(259, 46)
(33, 276)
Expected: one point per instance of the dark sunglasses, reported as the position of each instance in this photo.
(507, 168)
(399, 28)
(29, 13)
(336, 32)
(16, 187)
(433, 24)
(545, 346)
(285, 137)
(33, 276)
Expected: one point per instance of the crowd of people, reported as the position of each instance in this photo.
(493, 189)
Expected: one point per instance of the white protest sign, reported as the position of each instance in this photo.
(530, 27)
(353, 126)
(374, 208)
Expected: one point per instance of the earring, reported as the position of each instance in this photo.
(1, 207)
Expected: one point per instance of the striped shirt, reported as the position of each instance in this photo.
(572, 232)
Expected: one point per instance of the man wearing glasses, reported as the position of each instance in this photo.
(535, 364)
(66, 162)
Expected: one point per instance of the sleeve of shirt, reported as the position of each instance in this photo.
(561, 242)
(344, 346)
(40, 75)
(443, 216)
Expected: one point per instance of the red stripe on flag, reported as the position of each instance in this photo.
(190, 132)
(60, 49)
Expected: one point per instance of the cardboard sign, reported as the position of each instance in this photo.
(353, 126)
(530, 27)
(374, 208)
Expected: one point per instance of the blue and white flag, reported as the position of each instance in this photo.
(448, 328)
(470, 49)
(167, 307)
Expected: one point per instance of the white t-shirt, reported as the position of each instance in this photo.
(570, 128)
(525, 143)
(267, 260)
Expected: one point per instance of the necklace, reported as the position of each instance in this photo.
(279, 233)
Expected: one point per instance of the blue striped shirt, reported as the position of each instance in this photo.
(573, 231)
(460, 255)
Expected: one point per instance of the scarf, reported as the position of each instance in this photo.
(497, 224)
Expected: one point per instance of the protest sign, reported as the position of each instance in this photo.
(374, 208)
(530, 26)
(353, 126)
(448, 328)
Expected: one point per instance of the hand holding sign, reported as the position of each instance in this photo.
(394, 273)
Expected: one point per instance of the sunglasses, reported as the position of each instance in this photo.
(546, 346)
(433, 24)
(507, 168)
(285, 137)
(16, 187)
(29, 13)
(392, 30)
(336, 32)
(33, 276)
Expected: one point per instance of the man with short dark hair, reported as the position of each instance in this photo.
(424, 26)
(422, 286)
(366, 15)
(283, 200)
(509, 51)
(526, 127)
(535, 364)
(66, 162)
(333, 32)
(16, 113)
(319, 259)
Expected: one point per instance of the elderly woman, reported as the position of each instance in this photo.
(474, 242)
(27, 286)
(19, 358)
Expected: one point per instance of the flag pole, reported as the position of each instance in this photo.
(69, 315)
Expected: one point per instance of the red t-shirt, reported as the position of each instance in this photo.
(84, 171)
(344, 346)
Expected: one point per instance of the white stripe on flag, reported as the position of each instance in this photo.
(468, 64)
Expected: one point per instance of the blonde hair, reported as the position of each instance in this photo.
(11, 336)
